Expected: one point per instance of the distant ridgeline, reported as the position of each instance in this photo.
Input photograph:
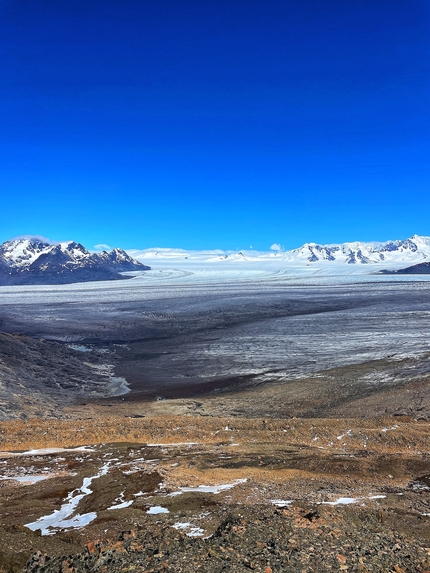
(404, 256)
(31, 261)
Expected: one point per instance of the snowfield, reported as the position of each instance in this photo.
(310, 259)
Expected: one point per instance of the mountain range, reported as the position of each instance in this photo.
(32, 261)
(414, 248)
(370, 257)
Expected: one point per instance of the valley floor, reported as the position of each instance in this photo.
(195, 424)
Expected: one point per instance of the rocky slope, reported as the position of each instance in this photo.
(38, 377)
(31, 261)
(420, 269)
(263, 540)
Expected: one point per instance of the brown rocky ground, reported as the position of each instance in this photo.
(287, 516)
(261, 539)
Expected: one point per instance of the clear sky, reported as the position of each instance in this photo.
(204, 124)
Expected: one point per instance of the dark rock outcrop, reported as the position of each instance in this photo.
(420, 269)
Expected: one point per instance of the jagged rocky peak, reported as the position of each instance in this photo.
(32, 261)
(119, 260)
(119, 255)
(22, 251)
(361, 252)
(75, 250)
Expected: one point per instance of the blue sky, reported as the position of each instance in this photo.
(214, 124)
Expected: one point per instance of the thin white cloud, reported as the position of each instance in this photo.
(276, 247)
(102, 246)
(37, 237)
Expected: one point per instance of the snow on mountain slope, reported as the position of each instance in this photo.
(31, 261)
(22, 252)
(415, 248)
(345, 258)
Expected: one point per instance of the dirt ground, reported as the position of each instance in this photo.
(353, 488)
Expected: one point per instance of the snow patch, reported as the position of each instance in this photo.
(45, 451)
(215, 489)
(121, 505)
(156, 509)
(282, 502)
(191, 530)
(28, 480)
(341, 501)
(63, 518)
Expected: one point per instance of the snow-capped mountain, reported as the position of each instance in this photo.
(415, 248)
(364, 253)
(31, 261)
(354, 257)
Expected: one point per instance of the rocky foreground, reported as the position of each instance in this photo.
(259, 539)
(187, 493)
